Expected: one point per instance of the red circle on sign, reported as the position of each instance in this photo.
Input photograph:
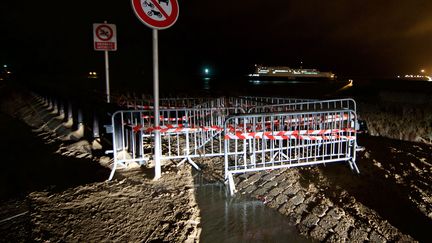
(155, 24)
(108, 35)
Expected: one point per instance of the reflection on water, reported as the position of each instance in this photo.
(235, 219)
(206, 83)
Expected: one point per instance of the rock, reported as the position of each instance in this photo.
(310, 220)
(269, 185)
(367, 155)
(320, 210)
(376, 237)
(279, 178)
(254, 178)
(319, 233)
(272, 203)
(327, 222)
(343, 227)
(336, 238)
(297, 214)
(336, 213)
(249, 189)
(300, 209)
(282, 198)
(259, 192)
(269, 176)
(303, 229)
(243, 184)
(387, 231)
(244, 176)
(297, 199)
(309, 198)
(274, 192)
(286, 208)
(285, 184)
(292, 190)
(358, 235)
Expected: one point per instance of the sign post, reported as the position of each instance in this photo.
(156, 14)
(157, 149)
(105, 39)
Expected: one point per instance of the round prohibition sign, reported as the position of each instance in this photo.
(154, 14)
(104, 32)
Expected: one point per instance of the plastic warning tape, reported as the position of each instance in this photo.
(296, 121)
(326, 118)
(162, 118)
(175, 128)
(301, 134)
(149, 107)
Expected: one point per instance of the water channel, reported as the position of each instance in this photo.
(237, 219)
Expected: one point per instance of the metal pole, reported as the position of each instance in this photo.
(157, 148)
(107, 75)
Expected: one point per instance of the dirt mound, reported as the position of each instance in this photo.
(55, 190)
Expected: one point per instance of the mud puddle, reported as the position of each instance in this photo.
(239, 219)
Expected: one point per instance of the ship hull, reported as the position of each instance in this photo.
(290, 79)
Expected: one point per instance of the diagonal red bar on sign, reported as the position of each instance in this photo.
(160, 8)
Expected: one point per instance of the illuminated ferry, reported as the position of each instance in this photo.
(286, 73)
(415, 77)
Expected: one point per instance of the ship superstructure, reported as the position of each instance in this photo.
(284, 72)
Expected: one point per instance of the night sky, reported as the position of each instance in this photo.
(348, 37)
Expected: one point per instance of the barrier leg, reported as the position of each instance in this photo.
(231, 184)
(187, 155)
(113, 170)
(354, 166)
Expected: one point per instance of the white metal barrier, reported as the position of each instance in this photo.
(255, 142)
(164, 103)
(245, 102)
(185, 134)
(297, 133)
(275, 100)
(311, 105)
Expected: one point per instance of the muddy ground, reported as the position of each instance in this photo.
(55, 190)
(389, 201)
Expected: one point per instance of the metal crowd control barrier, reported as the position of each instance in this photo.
(212, 103)
(255, 142)
(245, 103)
(164, 103)
(311, 105)
(185, 134)
(275, 100)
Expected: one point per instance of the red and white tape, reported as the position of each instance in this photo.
(175, 128)
(162, 118)
(301, 134)
(149, 107)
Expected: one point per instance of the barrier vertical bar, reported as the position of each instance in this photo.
(95, 126)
